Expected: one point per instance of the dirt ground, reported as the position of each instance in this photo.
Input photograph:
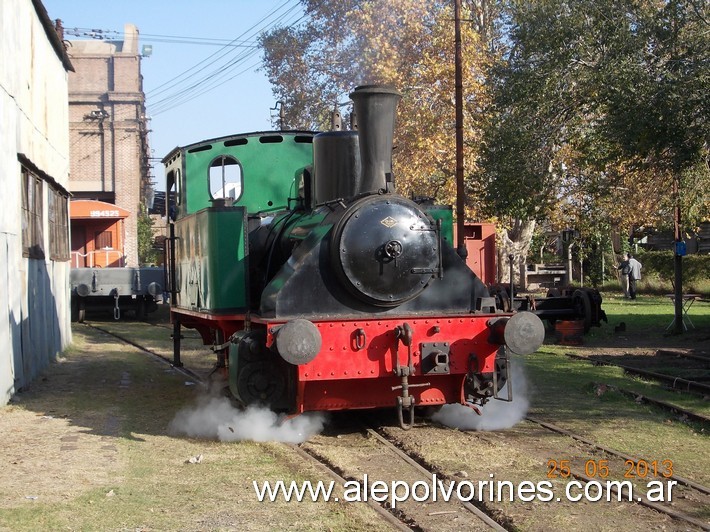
(87, 447)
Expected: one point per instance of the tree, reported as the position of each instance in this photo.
(581, 113)
(405, 43)
(599, 105)
(146, 251)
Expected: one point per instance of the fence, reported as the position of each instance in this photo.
(101, 258)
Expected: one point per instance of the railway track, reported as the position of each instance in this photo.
(633, 466)
(675, 382)
(682, 414)
(382, 454)
(705, 359)
(396, 469)
(153, 353)
(625, 477)
(367, 459)
(612, 452)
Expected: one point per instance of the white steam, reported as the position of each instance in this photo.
(217, 419)
(495, 415)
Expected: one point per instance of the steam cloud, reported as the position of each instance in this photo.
(215, 418)
(496, 414)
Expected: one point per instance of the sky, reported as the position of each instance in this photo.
(241, 97)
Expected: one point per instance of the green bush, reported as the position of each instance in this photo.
(659, 265)
(146, 253)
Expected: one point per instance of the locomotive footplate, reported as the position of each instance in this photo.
(403, 362)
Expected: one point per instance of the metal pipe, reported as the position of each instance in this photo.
(460, 194)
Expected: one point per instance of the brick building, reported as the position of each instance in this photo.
(108, 128)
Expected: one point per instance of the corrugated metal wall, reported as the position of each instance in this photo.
(34, 293)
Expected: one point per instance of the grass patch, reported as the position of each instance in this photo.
(564, 392)
(646, 322)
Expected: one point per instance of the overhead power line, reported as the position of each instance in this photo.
(113, 35)
(221, 66)
(222, 72)
(206, 74)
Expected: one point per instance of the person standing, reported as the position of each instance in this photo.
(625, 269)
(634, 274)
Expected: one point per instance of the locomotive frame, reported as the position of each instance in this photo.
(321, 288)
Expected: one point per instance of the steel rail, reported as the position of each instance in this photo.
(643, 501)
(399, 452)
(613, 452)
(386, 515)
(688, 384)
(639, 397)
(185, 371)
(323, 465)
(692, 356)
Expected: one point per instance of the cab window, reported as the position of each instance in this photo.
(225, 178)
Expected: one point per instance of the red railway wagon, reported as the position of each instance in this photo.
(97, 234)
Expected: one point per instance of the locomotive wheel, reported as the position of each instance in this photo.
(260, 382)
(502, 300)
(260, 376)
(583, 307)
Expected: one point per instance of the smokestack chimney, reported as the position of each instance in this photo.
(375, 110)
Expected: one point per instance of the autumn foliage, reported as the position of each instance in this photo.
(405, 43)
(578, 113)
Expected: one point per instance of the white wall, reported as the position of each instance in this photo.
(34, 294)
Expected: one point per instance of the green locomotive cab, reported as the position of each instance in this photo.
(218, 191)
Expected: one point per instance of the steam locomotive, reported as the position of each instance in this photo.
(321, 288)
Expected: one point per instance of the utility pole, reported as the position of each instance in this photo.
(279, 106)
(677, 258)
(460, 194)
